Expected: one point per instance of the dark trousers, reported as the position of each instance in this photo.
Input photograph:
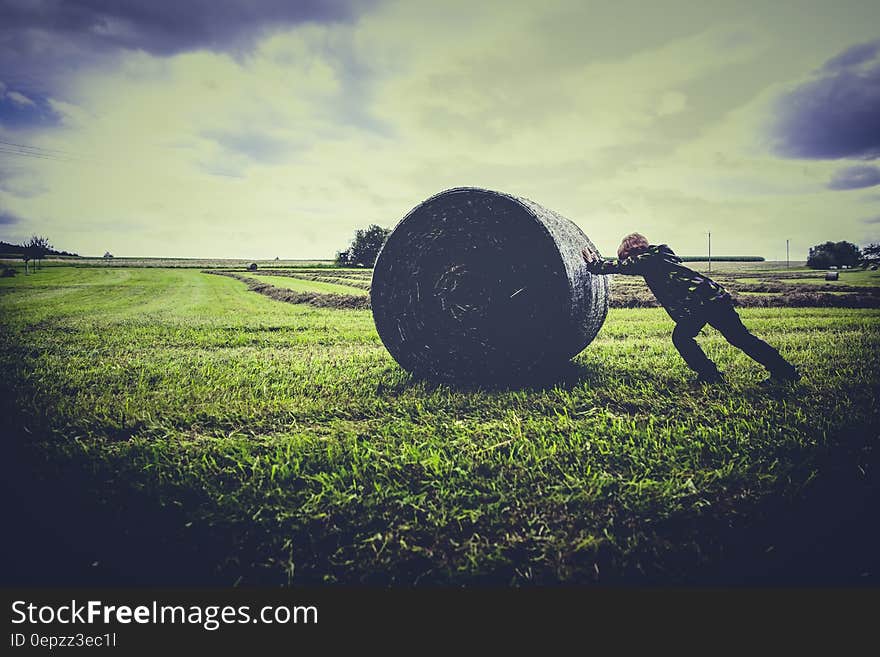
(723, 316)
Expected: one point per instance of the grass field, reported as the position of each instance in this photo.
(175, 426)
(186, 263)
(852, 277)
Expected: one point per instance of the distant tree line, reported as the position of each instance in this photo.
(367, 242)
(840, 254)
(19, 249)
(34, 249)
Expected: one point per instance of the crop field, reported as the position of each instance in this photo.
(169, 426)
(750, 285)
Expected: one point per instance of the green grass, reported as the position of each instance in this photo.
(860, 277)
(293, 449)
(300, 285)
(739, 267)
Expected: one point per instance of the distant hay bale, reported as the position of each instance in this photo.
(252, 266)
(832, 275)
(479, 285)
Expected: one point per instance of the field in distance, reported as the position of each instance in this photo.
(751, 284)
(191, 263)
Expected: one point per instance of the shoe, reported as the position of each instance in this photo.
(711, 377)
(782, 377)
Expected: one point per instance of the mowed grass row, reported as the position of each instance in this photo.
(300, 285)
(296, 450)
(860, 277)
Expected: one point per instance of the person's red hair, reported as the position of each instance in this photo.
(631, 244)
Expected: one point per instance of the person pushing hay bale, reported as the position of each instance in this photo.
(478, 285)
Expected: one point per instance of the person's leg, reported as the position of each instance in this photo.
(683, 338)
(725, 318)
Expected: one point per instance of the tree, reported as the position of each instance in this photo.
(107, 255)
(36, 248)
(342, 258)
(364, 247)
(833, 254)
(871, 255)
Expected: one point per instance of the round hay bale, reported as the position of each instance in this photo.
(480, 285)
(252, 266)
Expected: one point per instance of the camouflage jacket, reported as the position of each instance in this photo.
(680, 290)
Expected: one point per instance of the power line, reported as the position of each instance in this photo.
(22, 150)
(35, 148)
(42, 156)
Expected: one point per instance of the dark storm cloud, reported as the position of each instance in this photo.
(163, 27)
(855, 178)
(836, 115)
(43, 41)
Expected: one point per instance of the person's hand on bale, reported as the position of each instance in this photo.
(588, 255)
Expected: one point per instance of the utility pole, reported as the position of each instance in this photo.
(710, 252)
(787, 263)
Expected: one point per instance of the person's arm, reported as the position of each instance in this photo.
(597, 265)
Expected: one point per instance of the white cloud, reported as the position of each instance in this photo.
(671, 102)
(20, 99)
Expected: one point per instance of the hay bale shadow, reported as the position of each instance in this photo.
(566, 376)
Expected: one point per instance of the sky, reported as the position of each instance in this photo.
(248, 129)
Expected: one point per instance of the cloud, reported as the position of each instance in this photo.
(166, 27)
(855, 178)
(7, 218)
(671, 102)
(18, 110)
(44, 44)
(836, 115)
(872, 220)
(20, 99)
(858, 54)
(253, 144)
